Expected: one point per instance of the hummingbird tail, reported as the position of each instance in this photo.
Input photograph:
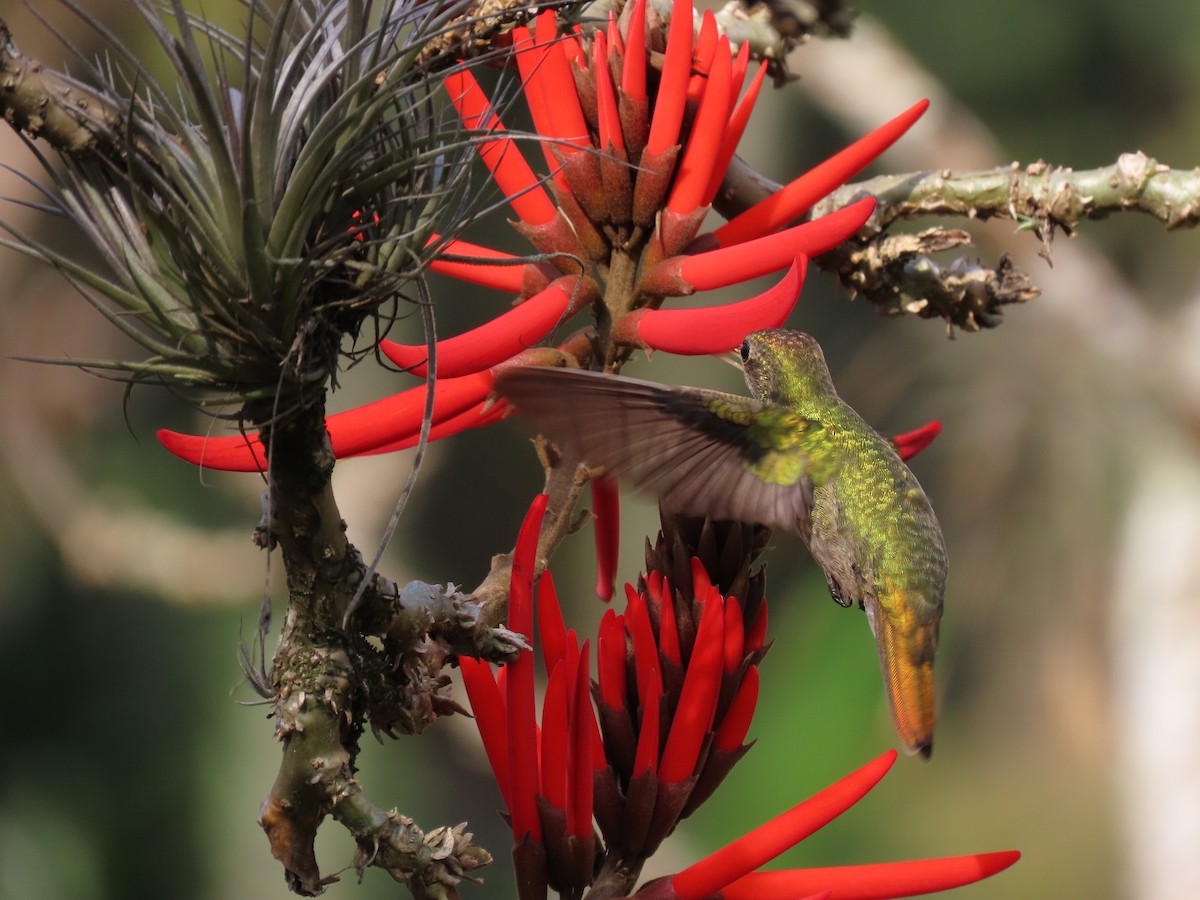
(907, 663)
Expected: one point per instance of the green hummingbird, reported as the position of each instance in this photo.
(794, 456)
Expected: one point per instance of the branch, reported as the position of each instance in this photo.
(332, 675)
(1040, 194)
(48, 104)
(315, 780)
(895, 272)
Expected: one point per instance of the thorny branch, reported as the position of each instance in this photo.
(894, 271)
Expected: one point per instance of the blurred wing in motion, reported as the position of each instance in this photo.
(703, 453)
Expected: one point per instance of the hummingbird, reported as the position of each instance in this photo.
(793, 456)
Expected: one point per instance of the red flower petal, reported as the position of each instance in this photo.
(530, 56)
(737, 122)
(610, 660)
(702, 54)
(735, 637)
(580, 753)
(573, 46)
(701, 584)
(668, 627)
(730, 265)
(911, 443)
(741, 63)
(356, 431)
(633, 67)
(614, 35)
(645, 651)
(493, 342)
(697, 699)
(487, 705)
(714, 329)
(877, 881)
(704, 143)
(509, 278)
(646, 759)
(477, 416)
(558, 87)
(606, 507)
(509, 169)
(764, 843)
(552, 630)
(522, 727)
(554, 737)
(797, 197)
(672, 87)
(608, 118)
(756, 635)
(732, 730)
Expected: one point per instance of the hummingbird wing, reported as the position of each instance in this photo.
(703, 453)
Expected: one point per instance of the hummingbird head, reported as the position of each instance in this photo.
(785, 367)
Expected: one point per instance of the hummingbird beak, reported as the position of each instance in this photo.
(732, 357)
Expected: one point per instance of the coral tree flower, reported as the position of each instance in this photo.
(637, 132)
(619, 760)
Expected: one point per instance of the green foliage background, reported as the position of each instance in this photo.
(128, 769)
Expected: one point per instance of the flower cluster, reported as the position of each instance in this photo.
(618, 761)
(637, 131)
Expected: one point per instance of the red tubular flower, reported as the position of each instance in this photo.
(672, 91)
(646, 761)
(698, 699)
(470, 262)
(633, 66)
(911, 443)
(509, 169)
(580, 756)
(487, 702)
(767, 841)
(733, 132)
(610, 661)
(704, 144)
(668, 735)
(729, 872)
(477, 416)
(606, 510)
(719, 268)
(734, 727)
(547, 776)
(351, 433)
(702, 54)
(799, 196)
(522, 735)
(551, 629)
(499, 339)
(878, 881)
(633, 206)
(607, 111)
(714, 329)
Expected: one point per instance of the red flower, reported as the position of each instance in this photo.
(630, 212)
(729, 873)
(547, 777)
(675, 693)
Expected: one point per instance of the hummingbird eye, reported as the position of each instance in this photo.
(745, 351)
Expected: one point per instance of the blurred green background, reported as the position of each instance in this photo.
(1067, 481)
